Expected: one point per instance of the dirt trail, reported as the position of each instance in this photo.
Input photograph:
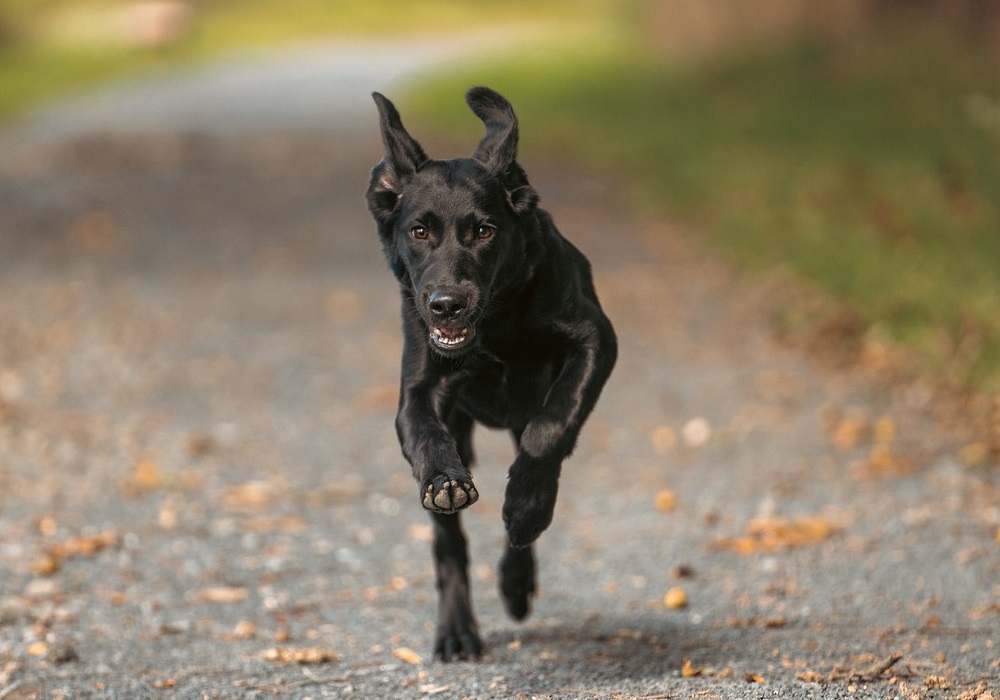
(200, 484)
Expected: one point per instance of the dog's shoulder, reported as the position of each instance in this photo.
(562, 287)
(562, 258)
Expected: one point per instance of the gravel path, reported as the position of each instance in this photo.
(201, 491)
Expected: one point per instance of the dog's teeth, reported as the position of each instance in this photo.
(442, 337)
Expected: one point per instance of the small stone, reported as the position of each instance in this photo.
(41, 588)
(696, 432)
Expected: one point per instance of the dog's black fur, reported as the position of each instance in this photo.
(501, 325)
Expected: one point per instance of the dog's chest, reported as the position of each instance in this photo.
(505, 395)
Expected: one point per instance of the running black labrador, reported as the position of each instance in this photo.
(501, 325)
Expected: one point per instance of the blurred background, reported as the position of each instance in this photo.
(849, 149)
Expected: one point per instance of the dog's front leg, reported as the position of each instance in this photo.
(444, 480)
(549, 437)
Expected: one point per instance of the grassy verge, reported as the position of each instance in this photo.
(872, 169)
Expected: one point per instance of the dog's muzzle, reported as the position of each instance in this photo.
(448, 309)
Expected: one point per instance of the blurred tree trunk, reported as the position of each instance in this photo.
(698, 28)
(978, 20)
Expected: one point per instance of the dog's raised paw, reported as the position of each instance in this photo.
(517, 581)
(449, 496)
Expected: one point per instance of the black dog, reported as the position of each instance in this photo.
(501, 325)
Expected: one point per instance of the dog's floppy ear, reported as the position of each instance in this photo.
(403, 155)
(498, 148)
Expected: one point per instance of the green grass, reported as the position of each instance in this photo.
(872, 169)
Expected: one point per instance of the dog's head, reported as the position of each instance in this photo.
(456, 232)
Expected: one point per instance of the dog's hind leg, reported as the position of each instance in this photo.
(457, 632)
(517, 580)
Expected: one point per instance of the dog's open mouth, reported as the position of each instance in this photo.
(452, 338)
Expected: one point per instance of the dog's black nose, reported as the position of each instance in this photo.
(447, 304)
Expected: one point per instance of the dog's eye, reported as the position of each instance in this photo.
(419, 232)
(484, 231)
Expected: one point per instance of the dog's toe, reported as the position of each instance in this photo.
(449, 496)
(455, 645)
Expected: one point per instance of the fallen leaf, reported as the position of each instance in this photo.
(881, 461)
(849, 432)
(753, 678)
(975, 454)
(770, 534)
(663, 439)
(307, 655)
(164, 684)
(810, 677)
(666, 500)
(146, 475)
(797, 531)
(83, 546)
(689, 671)
(885, 430)
(38, 649)
(244, 630)
(222, 594)
(408, 655)
(45, 566)
(48, 526)
(253, 494)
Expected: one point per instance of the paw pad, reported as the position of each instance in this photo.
(449, 496)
